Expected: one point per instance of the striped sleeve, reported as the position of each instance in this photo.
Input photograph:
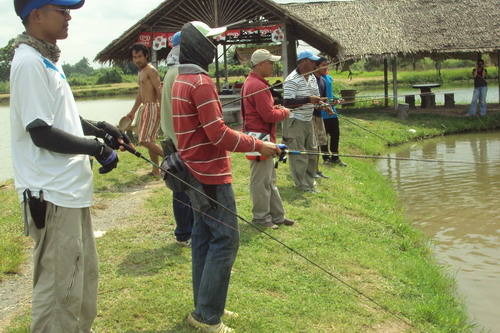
(210, 115)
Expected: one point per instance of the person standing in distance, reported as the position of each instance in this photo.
(148, 98)
(52, 170)
(480, 89)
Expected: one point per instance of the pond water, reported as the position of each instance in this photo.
(463, 93)
(108, 109)
(457, 206)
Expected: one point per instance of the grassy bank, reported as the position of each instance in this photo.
(376, 78)
(355, 228)
(343, 80)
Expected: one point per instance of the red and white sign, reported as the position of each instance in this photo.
(277, 36)
(159, 40)
(145, 38)
(169, 38)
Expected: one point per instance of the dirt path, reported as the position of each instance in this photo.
(15, 293)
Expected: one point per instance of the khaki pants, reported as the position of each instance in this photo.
(65, 272)
(266, 199)
(299, 135)
(319, 131)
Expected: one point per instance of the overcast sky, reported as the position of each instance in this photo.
(92, 27)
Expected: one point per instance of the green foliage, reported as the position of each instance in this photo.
(79, 80)
(12, 244)
(408, 64)
(82, 67)
(129, 68)
(4, 87)
(6, 55)
(355, 228)
(110, 75)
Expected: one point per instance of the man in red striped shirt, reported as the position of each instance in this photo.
(203, 143)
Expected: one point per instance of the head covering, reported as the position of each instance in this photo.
(196, 48)
(25, 7)
(173, 56)
(176, 38)
(306, 54)
(261, 55)
(206, 30)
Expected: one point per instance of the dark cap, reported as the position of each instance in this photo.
(24, 7)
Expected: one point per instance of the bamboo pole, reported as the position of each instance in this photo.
(395, 81)
(386, 83)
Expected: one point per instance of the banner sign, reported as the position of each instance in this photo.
(159, 40)
(274, 32)
(145, 38)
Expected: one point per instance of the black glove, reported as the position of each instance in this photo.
(113, 134)
(107, 157)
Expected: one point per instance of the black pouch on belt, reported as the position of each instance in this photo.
(178, 177)
(38, 208)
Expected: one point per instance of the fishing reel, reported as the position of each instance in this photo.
(282, 157)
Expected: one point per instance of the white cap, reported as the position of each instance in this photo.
(206, 30)
(261, 55)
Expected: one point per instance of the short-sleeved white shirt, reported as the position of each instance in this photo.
(39, 90)
(296, 86)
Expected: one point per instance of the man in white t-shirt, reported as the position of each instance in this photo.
(52, 170)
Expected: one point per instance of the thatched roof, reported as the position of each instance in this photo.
(171, 15)
(405, 27)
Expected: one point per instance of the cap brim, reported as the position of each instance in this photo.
(314, 58)
(71, 4)
(216, 31)
(275, 58)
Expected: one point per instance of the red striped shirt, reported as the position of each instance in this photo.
(203, 138)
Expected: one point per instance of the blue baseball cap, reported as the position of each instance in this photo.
(25, 7)
(176, 38)
(307, 54)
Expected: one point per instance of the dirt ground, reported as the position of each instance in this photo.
(15, 293)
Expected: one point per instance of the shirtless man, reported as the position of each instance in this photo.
(149, 96)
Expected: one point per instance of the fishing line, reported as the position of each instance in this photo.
(138, 154)
(331, 63)
(302, 152)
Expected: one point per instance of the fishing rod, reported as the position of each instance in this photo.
(383, 307)
(331, 63)
(298, 152)
(135, 152)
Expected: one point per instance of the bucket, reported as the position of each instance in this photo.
(349, 97)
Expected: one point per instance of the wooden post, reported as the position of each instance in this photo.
(284, 52)
(395, 82)
(292, 52)
(226, 79)
(154, 58)
(217, 73)
(498, 73)
(216, 20)
(386, 83)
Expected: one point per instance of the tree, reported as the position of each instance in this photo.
(82, 67)
(6, 55)
(110, 75)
